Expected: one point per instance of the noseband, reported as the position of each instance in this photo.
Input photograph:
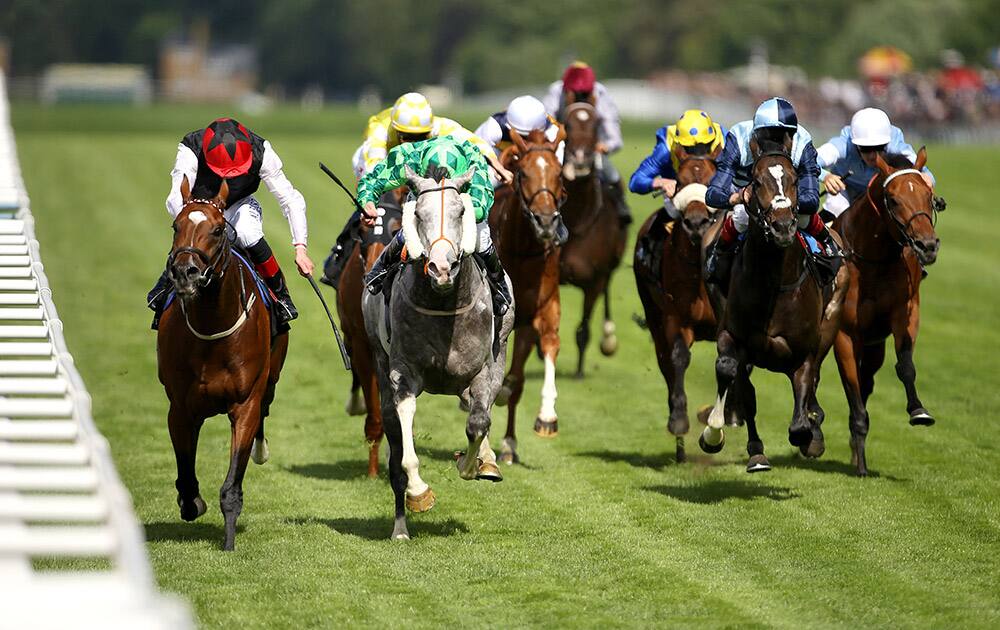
(906, 239)
(441, 236)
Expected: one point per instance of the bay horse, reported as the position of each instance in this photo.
(890, 237)
(215, 353)
(596, 237)
(444, 336)
(674, 299)
(775, 315)
(524, 221)
(349, 293)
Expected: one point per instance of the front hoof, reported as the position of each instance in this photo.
(609, 345)
(758, 463)
(260, 452)
(194, 509)
(681, 452)
(423, 502)
(467, 468)
(703, 413)
(355, 405)
(678, 425)
(546, 428)
(400, 537)
(921, 417)
(489, 472)
(800, 436)
(814, 449)
(711, 448)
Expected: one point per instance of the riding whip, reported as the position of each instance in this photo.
(341, 184)
(340, 341)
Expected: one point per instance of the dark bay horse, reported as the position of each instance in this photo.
(596, 237)
(524, 221)
(775, 316)
(215, 354)
(676, 305)
(363, 376)
(889, 235)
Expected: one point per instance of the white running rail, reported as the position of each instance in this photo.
(61, 500)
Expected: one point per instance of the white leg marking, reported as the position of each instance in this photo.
(406, 409)
(549, 394)
(717, 418)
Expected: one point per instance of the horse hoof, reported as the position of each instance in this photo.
(799, 437)
(579, 375)
(678, 426)
(546, 428)
(400, 536)
(758, 463)
(355, 405)
(423, 502)
(921, 417)
(464, 470)
(609, 345)
(681, 452)
(814, 449)
(489, 472)
(502, 396)
(703, 412)
(193, 510)
(260, 452)
(711, 448)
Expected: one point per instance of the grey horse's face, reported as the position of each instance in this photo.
(441, 225)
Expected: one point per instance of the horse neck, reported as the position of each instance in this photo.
(517, 236)
(867, 230)
(220, 303)
(763, 266)
(584, 199)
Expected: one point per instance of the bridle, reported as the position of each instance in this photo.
(906, 239)
(754, 210)
(526, 202)
(441, 236)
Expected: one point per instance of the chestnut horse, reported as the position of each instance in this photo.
(596, 237)
(775, 316)
(524, 221)
(352, 321)
(215, 353)
(890, 238)
(674, 299)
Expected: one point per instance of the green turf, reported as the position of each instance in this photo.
(599, 527)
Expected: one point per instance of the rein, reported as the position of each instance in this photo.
(526, 202)
(242, 319)
(461, 310)
(441, 236)
(905, 240)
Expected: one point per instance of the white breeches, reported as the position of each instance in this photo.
(836, 204)
(246, 217)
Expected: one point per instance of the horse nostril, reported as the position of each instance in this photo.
(191, 271)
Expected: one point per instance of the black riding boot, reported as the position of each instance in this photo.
(617, 194)
(334, 264)
(498, 280)
(156, 299)
(719, 263)
(286, 309)
(388, 259)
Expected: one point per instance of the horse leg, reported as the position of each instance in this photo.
(804, 430)
(373, 420)
(590, 295)
(524, 340)
(356, 402)
(726, 366)
(397, 474)
(184, 430)
(244, 419)
(547, 325)
(904, 331)
(472, 464)
(609, 340)
(746, 397)
(848, 354)
(406, 388)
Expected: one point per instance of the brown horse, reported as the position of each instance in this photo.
(674, 299)
(524, 221)
(352, 321)
(890, 238)
(597, 238)
(775, 316)
(215, 353)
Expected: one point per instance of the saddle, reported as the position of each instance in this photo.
(822, 266)
(649, 253)
(334, 264)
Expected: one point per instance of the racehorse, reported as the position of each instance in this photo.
(775, 316)
(362, 256)
(890, 238)
(215, 353)
(444, 336)
(597, 238)
(524, 221)
(677, 308)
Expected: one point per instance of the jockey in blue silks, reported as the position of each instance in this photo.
(775, 121)
(848, 160)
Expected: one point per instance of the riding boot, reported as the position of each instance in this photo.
(617, 194)
(286, 309)
(719, 262)
(386, 261)
(334, 264)
(818, 230)
(498, 280)
(156, 299)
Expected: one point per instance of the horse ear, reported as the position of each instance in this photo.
(222, 195)
(788, 143)
(185, 189)
(510, 154)
(681, 151)
(754, 147)
(518, 140)
(716, 152)
(560, 136)
(921, 159)
(881, 164)
(463, 180)
(412, 179)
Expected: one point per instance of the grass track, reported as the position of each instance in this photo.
(599, 528)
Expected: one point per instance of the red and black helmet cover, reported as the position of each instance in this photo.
(227, 148)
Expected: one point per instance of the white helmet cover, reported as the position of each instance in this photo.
(525, 114)
(870, 127)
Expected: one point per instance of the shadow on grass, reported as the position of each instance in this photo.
(794, 460)
(718, 491)
(655, 461)
(179, 531)
(351, 469)
(380, 528)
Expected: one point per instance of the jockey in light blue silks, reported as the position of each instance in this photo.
(848, 160)
(775, 121)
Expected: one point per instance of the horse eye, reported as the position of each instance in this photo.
(217, 231)
(174, 227)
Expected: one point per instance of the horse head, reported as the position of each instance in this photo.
(201, 246)
(774, 191)
(538, 180)
(695, 170)
(582, 122)
(440, 224)
(907, 199)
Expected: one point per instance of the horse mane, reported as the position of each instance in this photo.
(436, 172)
(536, 136)
(770, 146)
(897, 160)
(700, 148)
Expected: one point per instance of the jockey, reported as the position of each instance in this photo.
(775, 121)
(848, 160)
(697, 133)
(228, 150)
(457, 156)
(579, 84)
(524, 114)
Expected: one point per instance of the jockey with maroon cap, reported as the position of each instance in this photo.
(228, 150)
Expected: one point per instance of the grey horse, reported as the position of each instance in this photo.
(443, 337)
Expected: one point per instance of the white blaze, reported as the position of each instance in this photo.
(197, 217)
(780, 200)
